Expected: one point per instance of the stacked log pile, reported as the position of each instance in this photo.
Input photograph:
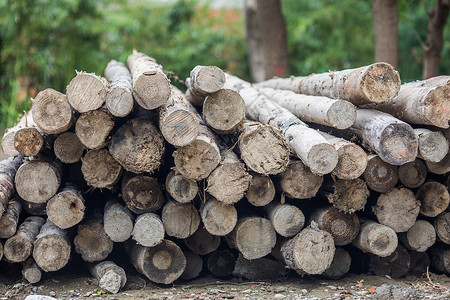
(303, 173)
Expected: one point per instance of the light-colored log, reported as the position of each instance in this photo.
(261, 190)
(286, 219)
(442, 167)
(10, 219)
(67, 207)
(433, 146)
(376, 238)
(298, 182)
(86, 92)
(219, 218)
(148, 230)
(31, 271)
(100, 169)
(180, 188)
(119, 99)
(110, 276)
(419, 237)
(93, 128)
(8, 170)
(8, 138)
(180, 220)
(204, 80)
(118, 221)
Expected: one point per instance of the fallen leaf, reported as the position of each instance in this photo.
(371, 290)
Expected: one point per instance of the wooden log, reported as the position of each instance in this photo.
(31, 271)
(376, 238)
(254, 237)
(259, 269)
(339, 266)
(442, 167)
(194, 265)
(87, 91)
(8, 138)
(433, 146)
(100, 169)
(8, 170)
(142, 194)
(180, 220)
(413, 174)
(91, 241)
(442, 227)
(151, 88)
(93, 128)
(419, 263)
(119, 99)
(339, 114)
(343, 226)
(52, 111)
(440, 258)
(290, 83)
(286, 219)
(202, 242)
(347, 195)
(10, 219)
(224, 111)
(219, 218)
(34, 209)
(66, 208)
(68, 148)
(395, 265)
(221, 263)
(163, 263)
(298, 182)
(180, 188)
(229, 181)
(310, 251)
(52, 248)
(424, 102)
(20, 246)
(138, 146)
(148, 230)
(434, 198)
(312, 148)
(110, 276)
(118, 221)
(263, 149)
(29, 141)
(204, 80)
(261, 190)
(37, 180)
(198, 159)
(419, 237)
(397, 209)
(178, 120)
(393, 140)
(379, 175)
(377, 83)
(352, 159)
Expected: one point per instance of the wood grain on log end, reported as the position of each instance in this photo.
(380, 83)
(434, 198)
(261, 190)
(28, 141)
(86, 92)
(379, 175)
(413, 174)
(298, 182)
(148, 230)
(180, 220)
(142, 194)
(68, 148)
(341, 114)
(93, 128)
(352, 162)
(100, 169)
(180, 188)
(219, 219)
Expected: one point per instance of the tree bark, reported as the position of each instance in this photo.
(119, 99)
(339, 266)
(261, 190)
(385, 18)
(31, 271)
(66, 208)
(437, 18)
(259, 269)
(10, 219)
(221, 263)
(286, 219)
(148, 230)
(202, 242)
(151, 88)
(87, 91)
(8, 170)
(110, 276)
(203, 81)
(100, 169)
(376, 238)
(93, 128)
(194, 265)
(180, 220)
(219, 218)
(433, 146)
(180, 188)
(347, 195)
(298, 182)
(118, 221)
(68, 148)
(142, 194)
(419, 237)
(379, 175)
(442, 227)
(395, 265)
(434, 198)
(413, 174)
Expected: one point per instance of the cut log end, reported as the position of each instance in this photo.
(194, 265)
(148, 230)
(341, 114)
(433, 146)
(66, 209)
(434, 198)
(219, 219)
(380, 83)
(349, 195)
(180, 220)
(100, 169)
(261, 190)
(91, 241)
(181, 189)
(151, 90)
(202, 242)
(287, 220)
(119, 102)
(142, 194)
(31, 271)
(419, 237)
(28, 141)
(413, 174)
(379, 175)
(339, 266)
(118, 221)
(437, 112)
(179, 128)
(381, 241)
(207, 79)
(68, 148)
(86, 92)
(322, 158)
(298, 182)
(398, 144)
(93, 128)
(352, 162)
(442, 227)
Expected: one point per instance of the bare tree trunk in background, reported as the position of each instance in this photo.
(385, 17)
(266, 39)
(435, 39)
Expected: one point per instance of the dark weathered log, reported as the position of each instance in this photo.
(31, 271)
(93, 128)
(66, 208)
(1, 250)
(261, 190)
(204, 80)
(148, 230)
(229, 180)
(52, 111)
(180, 188)
(19, 247)
(29, 141)
(395, 265)
(347, 195)
(151, 88)
(259, 269)
(194, 265)
(91, 241)
(397, 209)
(442, 227)
(37, 180)
(413, 174)
(10, 219)
(68, 148)
(180, 220)
(419, 237)
(142, 194)
(219, 218)
(344, 227)
(202, 242)
(433, 146)
(198, 159)
(100, 169)
(119, 99)
(441, 167)
(87, 91)
(52, 248)
(163, 263)
(376, 238)
(34, 209)
(434, 198)
(440, 258)
(379, 175)
(224, 111)
(118, 221)
(8, 138)
(286, 219)
(138, 146)
(254, 237)
(8, 169)
(419, 263)
(339, 266)
(110, 276)
(221, 263)
(298, 182)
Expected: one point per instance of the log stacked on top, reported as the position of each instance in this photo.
(303, 172)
